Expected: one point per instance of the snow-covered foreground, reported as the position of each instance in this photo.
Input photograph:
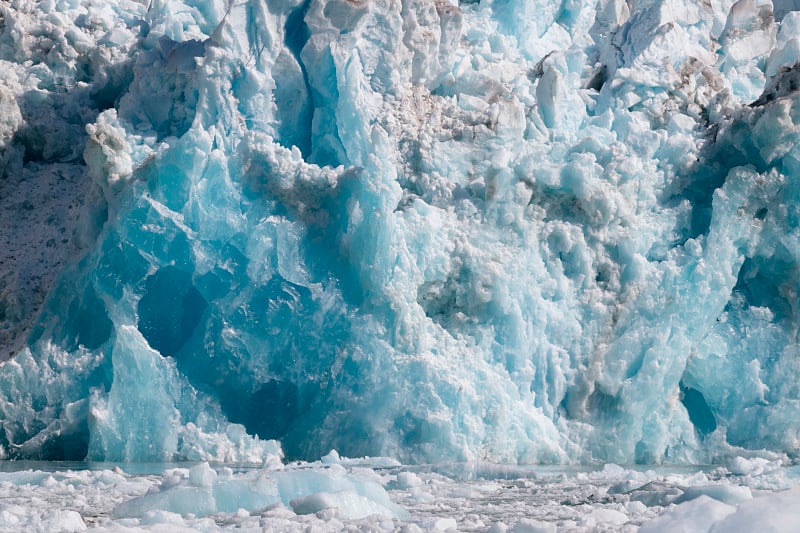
(381, 495)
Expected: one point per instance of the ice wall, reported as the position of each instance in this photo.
(503, 230)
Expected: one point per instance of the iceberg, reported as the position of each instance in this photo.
(200, 491)
(507, 231)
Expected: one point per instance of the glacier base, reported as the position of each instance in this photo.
(520, 232)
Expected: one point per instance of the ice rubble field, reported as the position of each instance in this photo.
(501, 231)
(380, 495)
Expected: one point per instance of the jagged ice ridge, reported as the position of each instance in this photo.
(501, 230)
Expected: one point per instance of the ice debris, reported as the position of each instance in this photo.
(200, 492)
(321, 496)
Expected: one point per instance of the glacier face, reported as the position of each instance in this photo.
(502, 230)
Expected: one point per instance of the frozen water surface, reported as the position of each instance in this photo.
(496, 232)
(380, 495)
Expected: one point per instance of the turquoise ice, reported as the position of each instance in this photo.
(502, 230)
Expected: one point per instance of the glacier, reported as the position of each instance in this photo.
(507, 231)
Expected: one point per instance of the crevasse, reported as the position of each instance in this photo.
(499, 230)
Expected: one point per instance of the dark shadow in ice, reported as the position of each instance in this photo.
(729, 145)
(784, 83)
(700, 413)
(782, 7)
(726, 148)
(268, 412)
(295, 103)
(766, 282)
(170, 310)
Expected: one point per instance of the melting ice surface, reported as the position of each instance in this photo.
(519, 232)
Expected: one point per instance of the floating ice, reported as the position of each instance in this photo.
(328, 497)
(500, 230)
(200, 491)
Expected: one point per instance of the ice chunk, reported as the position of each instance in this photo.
(755, 466)
(347, 504)
(730, 494)
(408, 479)
(527, 525)
(331, 458)
(200, 491)
(202, 475)
(107, 153)
(162, 517)
(439, 524)
(698, 515)
(775, 512)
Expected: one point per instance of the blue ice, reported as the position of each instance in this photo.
(502, 230)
